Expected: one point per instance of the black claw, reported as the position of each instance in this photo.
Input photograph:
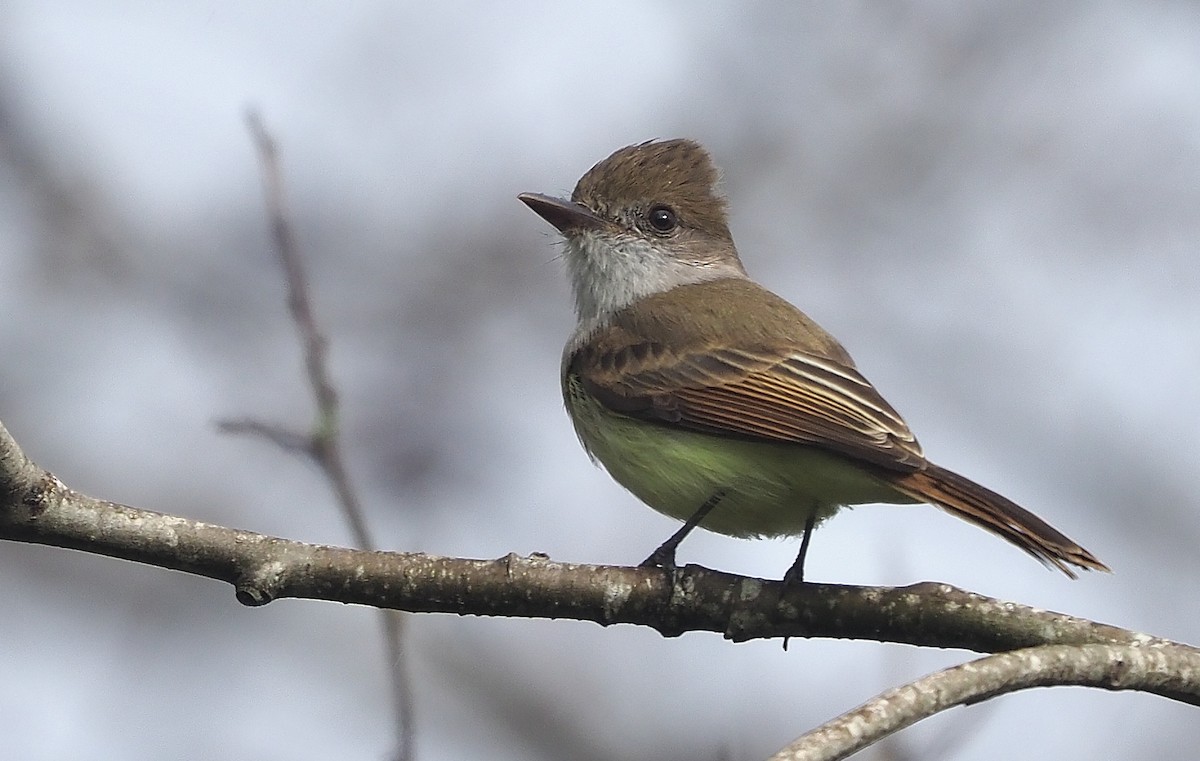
(794, 576)
(663, 557)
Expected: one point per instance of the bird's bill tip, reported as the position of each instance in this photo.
(566, 216)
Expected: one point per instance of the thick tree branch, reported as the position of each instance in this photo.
(1159, 667)
(1048, 648)
(39, 508)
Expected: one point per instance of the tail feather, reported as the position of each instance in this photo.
(1003, 517)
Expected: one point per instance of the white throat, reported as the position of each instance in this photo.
(610, 273)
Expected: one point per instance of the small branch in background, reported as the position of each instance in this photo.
(284, 438)
(322, 444)
(1160, 666)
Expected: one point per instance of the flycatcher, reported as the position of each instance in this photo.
(712, 399)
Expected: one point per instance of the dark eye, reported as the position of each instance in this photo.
(662, 218)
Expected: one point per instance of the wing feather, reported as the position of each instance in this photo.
(771, 395)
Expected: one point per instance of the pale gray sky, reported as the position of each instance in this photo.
(994, 207)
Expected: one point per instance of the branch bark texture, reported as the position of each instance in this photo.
(1050, 648)
(39, 508)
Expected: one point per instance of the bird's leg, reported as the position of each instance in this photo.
(664, 556)
(795, 574)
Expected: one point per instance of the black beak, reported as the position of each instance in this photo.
(566, 216)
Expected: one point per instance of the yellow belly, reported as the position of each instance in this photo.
(769, 489)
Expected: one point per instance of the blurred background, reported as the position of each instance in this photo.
(994, 206)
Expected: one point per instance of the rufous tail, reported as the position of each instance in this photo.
(1003, 517)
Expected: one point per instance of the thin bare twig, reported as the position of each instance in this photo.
(322, 444)
(1109, 666)
(325, 447)
(284, 438)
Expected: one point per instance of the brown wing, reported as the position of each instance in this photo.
(764, 394)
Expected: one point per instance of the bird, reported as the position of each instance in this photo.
(714, 400)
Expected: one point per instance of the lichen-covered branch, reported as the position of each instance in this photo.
(1048, 648)
(37, 507)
